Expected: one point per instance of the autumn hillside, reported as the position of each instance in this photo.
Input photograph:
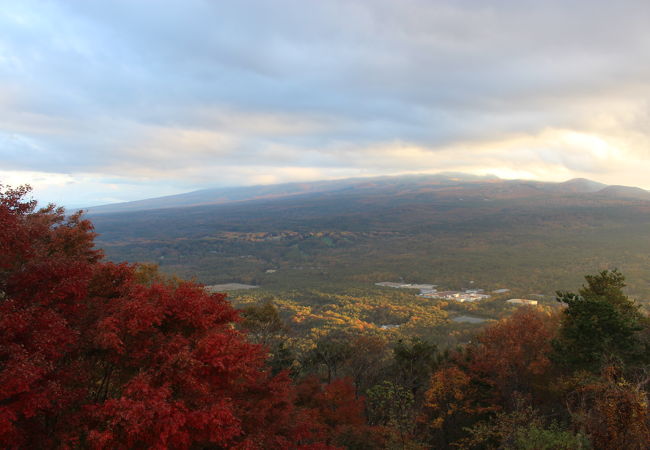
(349, 234)
(105, 355)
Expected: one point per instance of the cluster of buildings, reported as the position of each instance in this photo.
(423, 288)
(468, 295)
(406, 285)
(430, 291)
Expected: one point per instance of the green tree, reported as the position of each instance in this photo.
(264, 325)
(523, 428)
(391, 405)
(331, 352)
(415, 361)
(366, 365)
(600, 325)
(263, 322)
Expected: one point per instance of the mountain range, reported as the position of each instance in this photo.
(442, 184)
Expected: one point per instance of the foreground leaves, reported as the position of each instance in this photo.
(93, 355)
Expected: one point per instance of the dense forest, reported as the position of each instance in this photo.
(101, 354)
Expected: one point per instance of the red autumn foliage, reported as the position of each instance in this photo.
(511, 356)
(335, 402)
(90, 357)
(508, 361)
(339, 411)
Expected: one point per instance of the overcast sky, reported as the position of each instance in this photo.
(104, 101)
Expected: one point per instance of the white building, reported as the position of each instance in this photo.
(521, 301)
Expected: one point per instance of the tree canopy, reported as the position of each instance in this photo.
(93, 356)
(96, 354)
(599, 325)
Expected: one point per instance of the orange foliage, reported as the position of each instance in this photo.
(512, 355)
(449, 395)
(613, 412)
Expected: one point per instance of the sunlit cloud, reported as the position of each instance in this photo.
(125, 99)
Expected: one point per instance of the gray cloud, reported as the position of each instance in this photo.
(170, 93)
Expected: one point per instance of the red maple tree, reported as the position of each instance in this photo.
(92, 357)
(511, 356)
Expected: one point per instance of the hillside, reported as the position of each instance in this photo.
(447, 230)
(625, 192)
(366, 368)
(221, 196)
(443, 184)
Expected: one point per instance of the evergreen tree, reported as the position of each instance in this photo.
(601, 325)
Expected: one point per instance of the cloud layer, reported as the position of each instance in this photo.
(107, 101)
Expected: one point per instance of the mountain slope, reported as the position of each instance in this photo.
(537, 236)
(218, 196)
(469, 185)
(624, 192)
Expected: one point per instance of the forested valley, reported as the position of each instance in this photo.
(98, 353)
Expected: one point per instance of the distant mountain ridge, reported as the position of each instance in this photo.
(625, 192)
(582, 185)
(217, 196)
(445, 184)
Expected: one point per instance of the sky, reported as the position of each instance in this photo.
(108, 101)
